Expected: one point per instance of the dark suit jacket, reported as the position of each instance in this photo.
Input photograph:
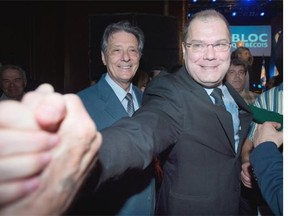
(202, 170)
(267, 162)
(133, 193)
(103, 105)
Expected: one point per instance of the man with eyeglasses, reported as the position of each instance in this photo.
(12, 82)
(196, 118)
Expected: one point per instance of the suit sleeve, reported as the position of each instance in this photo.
(131, 143)
(267, 163)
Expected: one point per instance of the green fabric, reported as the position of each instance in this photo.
(262, 115)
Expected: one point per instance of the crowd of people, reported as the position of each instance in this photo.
(95, 152)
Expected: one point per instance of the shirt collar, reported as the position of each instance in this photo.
(119, 91)
(209, 90)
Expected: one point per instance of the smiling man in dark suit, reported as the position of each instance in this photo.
(134, 193)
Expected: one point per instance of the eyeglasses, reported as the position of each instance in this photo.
(202, 47)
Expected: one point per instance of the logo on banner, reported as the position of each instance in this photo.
(251, 40)
(256, 38)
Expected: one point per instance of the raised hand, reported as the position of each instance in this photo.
(268, 132)
(72, 159)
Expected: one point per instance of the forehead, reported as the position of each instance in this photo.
(245, 52)
(11, 73)
(208, 29)
(122, 37)
(236, 67)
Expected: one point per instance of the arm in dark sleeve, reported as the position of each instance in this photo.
(267, 163)
(131, 143)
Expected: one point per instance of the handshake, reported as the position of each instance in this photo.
(49, 144)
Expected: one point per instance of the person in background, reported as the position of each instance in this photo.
(141, 79)
(236, 76)
(106, 102)
(156, 70)
(245, 54)
(270, 83)
(267, 163)
(12, 82)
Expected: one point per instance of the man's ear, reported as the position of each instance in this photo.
(25, 83)
(103, 58)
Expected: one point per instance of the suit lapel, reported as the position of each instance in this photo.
(225, 119)
(113, 106)
(223, 116)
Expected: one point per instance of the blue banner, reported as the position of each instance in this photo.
(256, 38)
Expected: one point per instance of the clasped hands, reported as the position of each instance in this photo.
(48, 145)
(264, 132)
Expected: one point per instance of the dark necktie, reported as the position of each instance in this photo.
(217, 95)
(130, 105)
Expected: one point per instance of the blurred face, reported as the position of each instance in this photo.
(236, 77)
(143, 86)
(207, 67)
(244, 55)
(155, 73)
(122, 58)
(13, 84)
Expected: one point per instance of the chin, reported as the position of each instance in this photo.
(213, 82)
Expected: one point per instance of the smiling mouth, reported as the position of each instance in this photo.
(125, 67)
(208, 67)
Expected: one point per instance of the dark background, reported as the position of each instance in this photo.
(58, 41)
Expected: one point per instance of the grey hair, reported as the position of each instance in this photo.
(204, 15)
(15, 67)
(120, 26)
